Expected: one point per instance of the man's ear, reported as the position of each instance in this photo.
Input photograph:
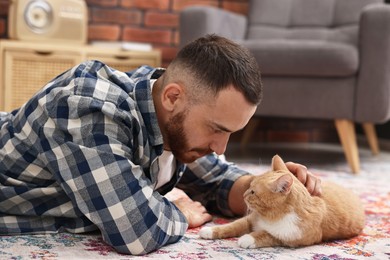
(171, 94)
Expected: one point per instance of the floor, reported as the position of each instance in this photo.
(319, 155)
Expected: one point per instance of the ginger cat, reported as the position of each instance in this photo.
(283, 213)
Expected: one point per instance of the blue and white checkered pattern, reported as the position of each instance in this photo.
(82, 155)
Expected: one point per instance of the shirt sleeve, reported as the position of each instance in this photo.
(90, 147)
(209, 180)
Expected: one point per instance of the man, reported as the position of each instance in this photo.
(97, 148)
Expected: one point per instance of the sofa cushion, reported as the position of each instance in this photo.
(281, 57)
(344, 34)
(288, 13)
(313, 13)
(306, 19)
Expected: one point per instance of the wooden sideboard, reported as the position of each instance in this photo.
(25, 67)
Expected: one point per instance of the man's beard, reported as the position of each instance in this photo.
(177, 139)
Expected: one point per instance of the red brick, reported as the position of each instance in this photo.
(161, 19)
(147, 35)
(288, 136)
(146, 4)
(2, 27)
(118, 16)
(258, 136)
(104, 32)
(322, 135)
(168, 53)
(164, 64)
(4, 7)
(102, 3)
(236, 7)
(176, 38)
(179, 5)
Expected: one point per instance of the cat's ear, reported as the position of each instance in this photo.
(278, 164)
(283, 184)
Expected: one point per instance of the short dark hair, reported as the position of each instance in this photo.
(216, 62)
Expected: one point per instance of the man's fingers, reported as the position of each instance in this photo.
(197, 219)
(208, 217)
(311, 182)
(195, 213)
(317, 189)
(299, 170)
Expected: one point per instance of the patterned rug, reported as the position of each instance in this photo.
(372, 184)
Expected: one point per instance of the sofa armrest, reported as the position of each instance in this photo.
(197, 21)
(373, 86)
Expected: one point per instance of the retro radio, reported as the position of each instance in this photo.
(48, 20)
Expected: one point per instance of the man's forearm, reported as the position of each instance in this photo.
(236, 195)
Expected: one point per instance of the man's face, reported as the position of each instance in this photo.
(178, 141)
(204, 128)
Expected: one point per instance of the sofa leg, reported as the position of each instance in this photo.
(369, 130)
(346, 132)
(249, 129)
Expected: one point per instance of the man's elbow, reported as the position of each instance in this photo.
(141, 247)
(133, 250)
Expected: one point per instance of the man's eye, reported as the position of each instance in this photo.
(217, 131)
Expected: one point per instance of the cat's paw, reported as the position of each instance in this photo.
(247, 241)
(206, 233)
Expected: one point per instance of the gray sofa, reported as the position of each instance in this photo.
(320, 59)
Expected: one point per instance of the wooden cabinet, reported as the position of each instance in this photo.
(26, 67)
(124, 60)
(25, 71)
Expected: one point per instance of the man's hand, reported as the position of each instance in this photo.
(194, 211)
(312, 183)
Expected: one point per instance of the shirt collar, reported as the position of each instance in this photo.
(144, 100)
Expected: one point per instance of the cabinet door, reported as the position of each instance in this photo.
(126, 61)
(27, 71)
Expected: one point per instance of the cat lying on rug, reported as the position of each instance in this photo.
(283, 213)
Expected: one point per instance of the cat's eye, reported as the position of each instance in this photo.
(252, 192)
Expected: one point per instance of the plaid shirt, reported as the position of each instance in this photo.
(82, 155)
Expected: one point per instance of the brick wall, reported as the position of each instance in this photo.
(152, 21)
(3, 18)
(272, 129)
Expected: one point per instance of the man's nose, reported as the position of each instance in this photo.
(219, 143)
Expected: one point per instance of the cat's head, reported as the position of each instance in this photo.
(271, 189)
